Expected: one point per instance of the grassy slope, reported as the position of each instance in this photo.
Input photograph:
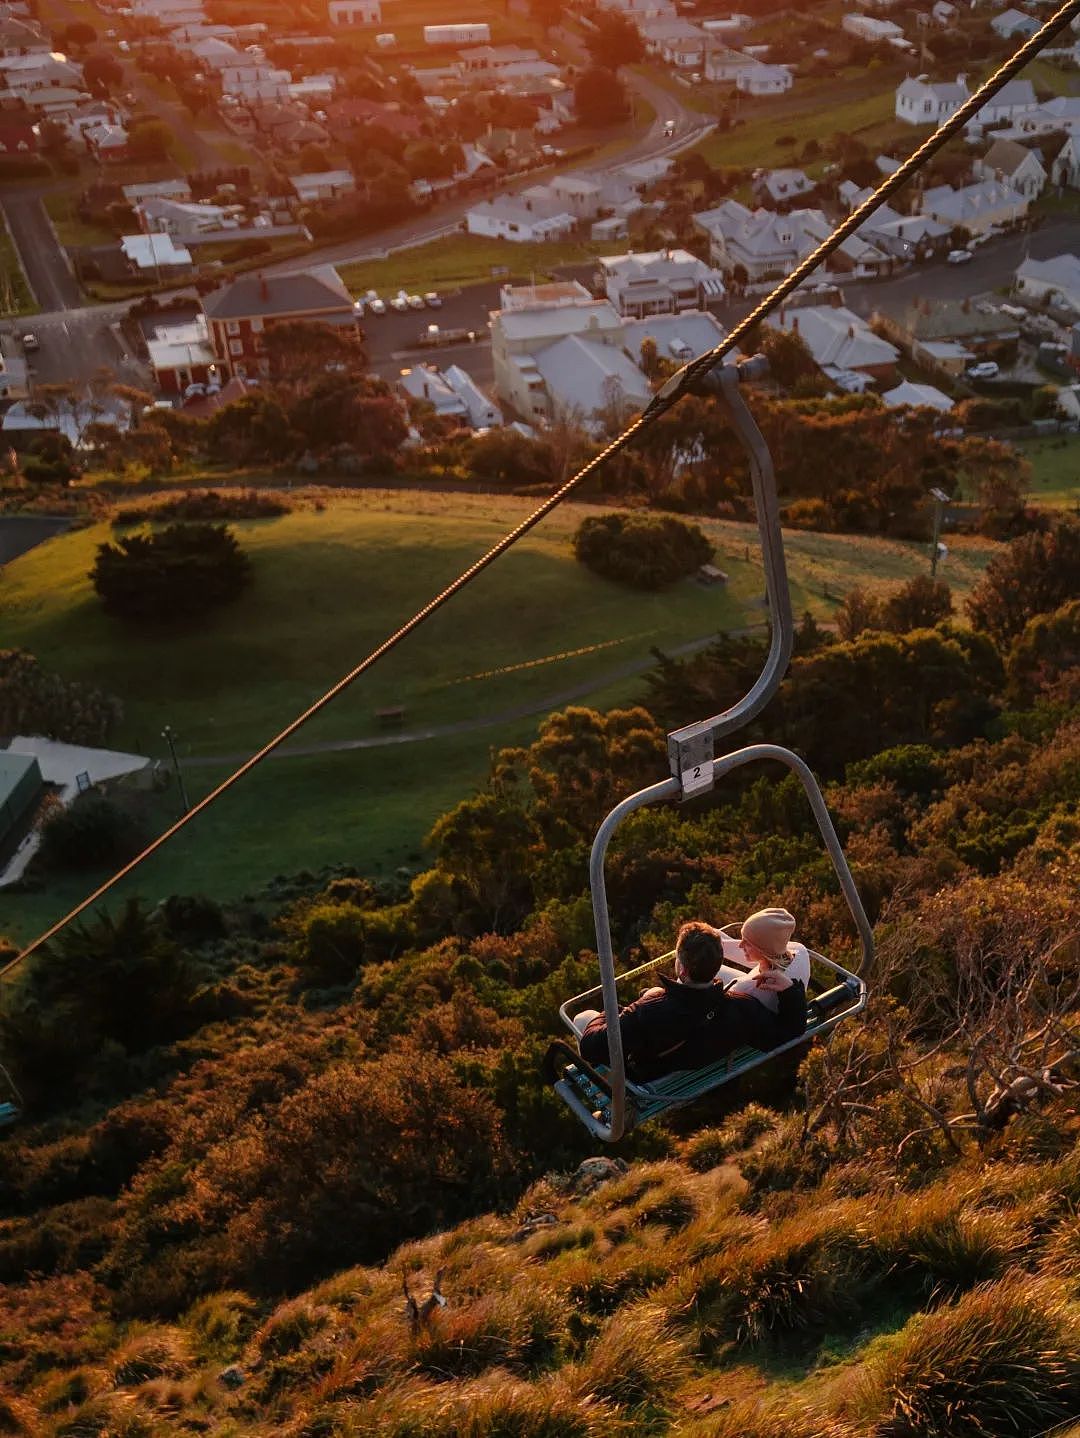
(328, 587)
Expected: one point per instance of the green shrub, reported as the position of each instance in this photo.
(92, 832)
(1004, 1359)
(218, 1326)
(171, 576)
(641, 550)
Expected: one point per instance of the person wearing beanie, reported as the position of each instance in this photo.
(766, 940)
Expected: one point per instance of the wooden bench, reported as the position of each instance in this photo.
(392, 717)
(709, 574)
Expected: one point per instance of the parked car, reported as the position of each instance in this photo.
(959, 257)
(433, 300)
(669, 127)
(400, 302)
(358, 307)
(986, 369)
(415, 302)
(30, 342)
(374, 305)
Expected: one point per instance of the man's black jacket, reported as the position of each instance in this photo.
(686, 1028)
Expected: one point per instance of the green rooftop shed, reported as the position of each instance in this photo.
(20, 785)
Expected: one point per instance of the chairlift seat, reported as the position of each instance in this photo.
(585, 1089)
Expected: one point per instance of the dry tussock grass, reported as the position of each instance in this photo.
(949, 1248)
(1004, 1359)
(151, 1353)
(19, 1418)
(493, 1406)
(636, 1359)
(521, 1330)
(755, 1418)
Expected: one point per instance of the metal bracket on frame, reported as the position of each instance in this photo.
(691, 751)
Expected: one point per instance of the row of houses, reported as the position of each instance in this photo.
(567, 202)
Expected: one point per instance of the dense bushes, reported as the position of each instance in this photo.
(99, 992)
(89, 834)
(208, 506)
(1034, 575)
(33, 701)
(641, 550)
(171, 576)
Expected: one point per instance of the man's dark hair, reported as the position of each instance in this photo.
(700, 952)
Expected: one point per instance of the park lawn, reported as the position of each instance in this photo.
(455, 261)
(15, 294)
(70, 229)
(328, 586)
(369, 808)
(859, 106)
(1055, 471)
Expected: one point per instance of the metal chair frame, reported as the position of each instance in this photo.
(695, 767)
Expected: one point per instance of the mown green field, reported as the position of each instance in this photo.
(15, 295)
(532, 633)
(459, 260)
(1055, 467)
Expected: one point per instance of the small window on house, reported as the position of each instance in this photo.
(264, 367)
(928, 105)
(256, 326)
(236, 347)
(232, 327)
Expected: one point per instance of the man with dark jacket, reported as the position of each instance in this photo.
(689, 1021)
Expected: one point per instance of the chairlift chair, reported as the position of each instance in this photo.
(603, 1099)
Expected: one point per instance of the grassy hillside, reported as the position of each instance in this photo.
(533, 632)
(329, 585)
(249, 1124)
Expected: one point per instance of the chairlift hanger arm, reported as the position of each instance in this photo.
(723, 384)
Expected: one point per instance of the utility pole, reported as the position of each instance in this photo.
(170, 738)
(941, 499)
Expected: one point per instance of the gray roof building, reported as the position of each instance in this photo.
(317, 293)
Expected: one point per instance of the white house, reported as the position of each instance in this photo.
(781, 187)
(322, 185)
(578, 195)
(658, 282)
(1013, 22)
(868, 27)
(426, 384)
(761, 79)
(355, 12)
(21, 36)
(510, 218)
(154, 252)
(1067, 164)
(1060, 113)
(641, 9)
(839, 341)
(482, 412)
(975, 208)
(1056, 280)
(922, 101)
(1012, 164)
(944, 14)
(765, 244)
(1014, 99)
(917, 396)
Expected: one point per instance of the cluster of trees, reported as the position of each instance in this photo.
(35, 701)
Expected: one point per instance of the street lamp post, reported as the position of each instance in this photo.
(941, 499)
(170, 739)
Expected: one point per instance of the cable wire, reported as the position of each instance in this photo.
(682, 382)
